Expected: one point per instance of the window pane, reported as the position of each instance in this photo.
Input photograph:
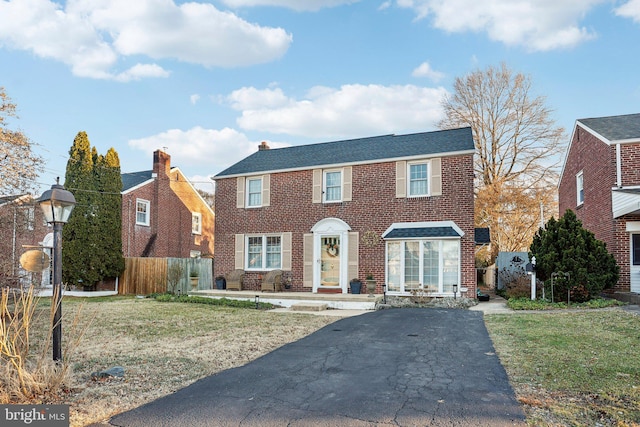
(394, 275)
(273, 252)
(418, 180)
(451, 262)
(333, 186)
(254, 252)
(635, 248)
(431, 262)
(411, 265)
(141, 212)
(255, 192)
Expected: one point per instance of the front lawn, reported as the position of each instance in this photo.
(572, 368)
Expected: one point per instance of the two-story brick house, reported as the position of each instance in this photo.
(163, 215)
(600, 182)
(399, 207)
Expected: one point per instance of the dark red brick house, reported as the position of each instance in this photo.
(163, 215)
(600, 182)
(22, 228)
(399, 207)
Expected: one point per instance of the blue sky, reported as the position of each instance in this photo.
(209, 80)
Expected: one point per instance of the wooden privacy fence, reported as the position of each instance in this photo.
(144, 276)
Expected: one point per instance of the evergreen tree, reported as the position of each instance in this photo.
(564, 246)
(92, 242)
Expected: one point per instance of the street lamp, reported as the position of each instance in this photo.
(57, 204)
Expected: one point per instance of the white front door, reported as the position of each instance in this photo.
(331, 256)
(635, 262)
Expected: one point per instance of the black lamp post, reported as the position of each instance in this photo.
(455, 290)
(57, 204)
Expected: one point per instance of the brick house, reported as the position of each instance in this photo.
(600, 182)
(163, 215)
(22, 227)
(399, 207)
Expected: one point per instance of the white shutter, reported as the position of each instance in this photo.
(436, 177)
(317, 186)
(239, 252)
(307, 256)
(346, 183)
(266, 190)
(286, 251)
(401, 179)
(240, 192)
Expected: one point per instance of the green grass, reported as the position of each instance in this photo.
(528, 304)
(578, 368)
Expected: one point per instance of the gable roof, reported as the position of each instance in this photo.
(361, 150)
(133, 179)
(614, 128)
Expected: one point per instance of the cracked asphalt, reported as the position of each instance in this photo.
(396, 367)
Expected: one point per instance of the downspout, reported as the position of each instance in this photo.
(618, 166)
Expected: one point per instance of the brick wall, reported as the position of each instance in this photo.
(374, 207)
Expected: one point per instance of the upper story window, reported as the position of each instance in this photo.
(142, 212)
(418, 182)
(332, 186)
(254, 192)
(263, 252)
(196, 223)
(580, 188)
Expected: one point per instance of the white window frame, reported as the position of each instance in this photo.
(579, 188)
(427, 192)
(147, 205)
(263, 252)
(196, 223)
(325, 187)
(248, 203)
(441, 268)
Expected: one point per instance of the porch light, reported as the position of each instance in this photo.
(455, 291)
(257, 299)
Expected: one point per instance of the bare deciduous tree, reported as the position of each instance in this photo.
(19, 164)
(517, 152)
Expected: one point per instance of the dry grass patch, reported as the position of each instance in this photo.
(164, 347)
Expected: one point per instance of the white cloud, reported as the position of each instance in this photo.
(537, 25)
(351, 111)
(194, 98)
(631, 9)
(216, 149)
(425, 70)
(299, 5)
(92, 36)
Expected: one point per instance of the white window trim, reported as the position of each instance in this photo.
(263, 266)
(440, 291)
(579, 188)
(420, 162)
(248, 195)
(147, 221)
(196, 225)
(324, 185)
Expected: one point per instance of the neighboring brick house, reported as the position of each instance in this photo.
(399, 207)
(600, 182)
(22, 228)
(163, 215)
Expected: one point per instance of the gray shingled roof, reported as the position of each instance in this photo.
(353, 151)
(131, 179)
(615, 128)
(417, 232)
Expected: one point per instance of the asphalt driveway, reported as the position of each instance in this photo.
(396, 367)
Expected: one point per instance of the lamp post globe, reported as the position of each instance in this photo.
(57, 204)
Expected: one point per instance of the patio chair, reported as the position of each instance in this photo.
(272, 281)
(234, 280)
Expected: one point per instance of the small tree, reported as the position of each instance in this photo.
(564, 246)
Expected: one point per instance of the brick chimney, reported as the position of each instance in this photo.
(161, 163)
(263, 146)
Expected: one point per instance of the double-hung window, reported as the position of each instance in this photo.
(196, 223)
(254, 192)
(142, 212)
(332, 186)
(263, 252)
(418, 182)
(580, 188)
